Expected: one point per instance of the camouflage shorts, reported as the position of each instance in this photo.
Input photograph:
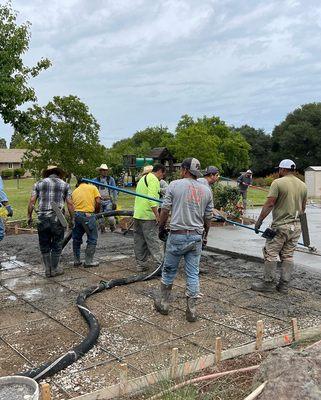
(283, 244)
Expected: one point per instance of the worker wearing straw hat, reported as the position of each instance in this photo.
(108, 196)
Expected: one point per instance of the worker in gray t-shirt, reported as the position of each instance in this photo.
(191, 206)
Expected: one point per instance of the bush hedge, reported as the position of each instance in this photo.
(7, 173)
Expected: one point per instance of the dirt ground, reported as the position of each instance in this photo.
(39, 320)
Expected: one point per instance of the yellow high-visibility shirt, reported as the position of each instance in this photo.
(84, 197)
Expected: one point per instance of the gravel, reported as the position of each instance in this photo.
(15, 391)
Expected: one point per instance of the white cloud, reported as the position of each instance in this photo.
(140, 62)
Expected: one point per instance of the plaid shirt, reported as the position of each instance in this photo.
(48, 190)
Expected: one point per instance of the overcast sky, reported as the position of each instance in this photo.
(139, 63)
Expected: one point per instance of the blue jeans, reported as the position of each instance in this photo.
(1, 229)
(189, 247)
(107, 205)
(50, 234)
(84, 224)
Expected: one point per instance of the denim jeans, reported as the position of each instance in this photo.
(50, 234)
(189, 247)
(1, 229)
(84, 224)
(106, 205)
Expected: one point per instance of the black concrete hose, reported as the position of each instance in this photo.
(60, 363)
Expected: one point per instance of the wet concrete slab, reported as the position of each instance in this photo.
(246, 242)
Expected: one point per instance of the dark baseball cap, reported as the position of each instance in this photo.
(193, 166)
(210, 170)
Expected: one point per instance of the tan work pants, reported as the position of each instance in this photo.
(283, 244)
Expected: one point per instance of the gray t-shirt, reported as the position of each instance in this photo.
(204, 181)
(244, 182)
(190, 203)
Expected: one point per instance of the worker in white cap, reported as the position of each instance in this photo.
(244, 182)
(287, 200)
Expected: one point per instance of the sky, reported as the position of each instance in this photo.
(139, 63)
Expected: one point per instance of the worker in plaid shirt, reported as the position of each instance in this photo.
(50, 230)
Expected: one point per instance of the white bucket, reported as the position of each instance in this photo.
(18, 380)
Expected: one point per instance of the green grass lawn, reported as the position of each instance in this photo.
(256, 197)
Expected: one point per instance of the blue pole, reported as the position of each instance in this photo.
(160, 201)
(119, 189)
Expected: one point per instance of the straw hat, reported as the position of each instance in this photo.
(53, 169)
(147, 169)
(103, 166)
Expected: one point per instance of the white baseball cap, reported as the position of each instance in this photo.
(287, 164)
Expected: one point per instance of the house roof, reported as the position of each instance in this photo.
(161, 152)
(313, 169)
(11, 155)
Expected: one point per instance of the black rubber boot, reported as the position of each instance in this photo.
(282, 287)
(162, 303)
(268, 282)
(56, 269)
(191, 309)
(76, 251)
(47, 261)
(89, 256)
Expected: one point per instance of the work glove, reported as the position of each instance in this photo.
(162, 233)
(204, 243)
(9, 210)
(257, 226)
(114, 206)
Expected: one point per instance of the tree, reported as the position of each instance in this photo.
(261, 149)
(64, 133)
(17, 141)
(3, 143)
(211, 141)
(14, 75)
(298, 137)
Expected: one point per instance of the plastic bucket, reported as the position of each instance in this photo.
(9, 388)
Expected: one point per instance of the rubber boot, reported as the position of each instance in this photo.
(89, 256)
(76, 251)
(286, 273)
(56, 269)
(191, 309)
(268, 282)
(162, 303)
(47, 261)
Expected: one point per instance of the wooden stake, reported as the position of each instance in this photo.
(295, 330)
(45, 391)
(174, 363)
(123, 379)
(218, 350)
(16, 229)
(259, 335)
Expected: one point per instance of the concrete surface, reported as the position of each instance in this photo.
(246, 242)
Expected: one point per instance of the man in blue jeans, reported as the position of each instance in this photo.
(191, 206)
(86, 200)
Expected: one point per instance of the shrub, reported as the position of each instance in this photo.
(19, 172)
(7, 173)
(258, 182)
(270, 178)
(226, 197)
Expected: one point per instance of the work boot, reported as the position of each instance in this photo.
(191, 309)
(47, 261)
(268, 282)
(286, 272)
(112, 228)
(162, 303)
(76, 251)
(56, 269)
(142, 268)
(203, 270)
(89, 256)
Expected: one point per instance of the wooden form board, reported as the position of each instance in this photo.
(186, 368)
